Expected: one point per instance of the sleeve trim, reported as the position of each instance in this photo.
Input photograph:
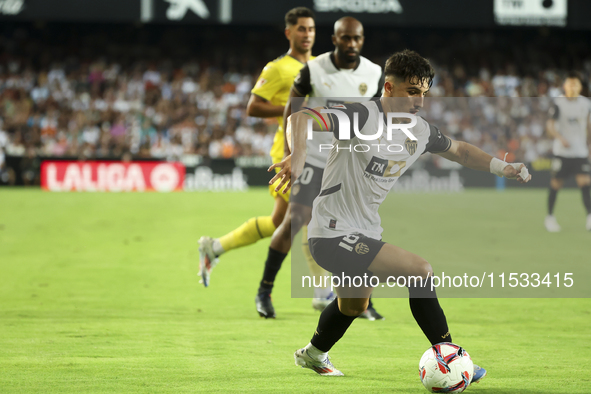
(259, 96)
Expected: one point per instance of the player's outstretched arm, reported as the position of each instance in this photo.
(295, 133)
(472, 157)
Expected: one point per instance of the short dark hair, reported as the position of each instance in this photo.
(574, 74)
(409, 65)
(292, 16)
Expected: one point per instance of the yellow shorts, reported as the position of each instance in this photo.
(279, 193)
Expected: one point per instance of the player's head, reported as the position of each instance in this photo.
(408, 75)
(348, 39)
(572, 84)
(300, 29)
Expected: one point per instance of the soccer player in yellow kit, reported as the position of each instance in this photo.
(267, 100)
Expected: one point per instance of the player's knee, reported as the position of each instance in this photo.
(423, 268)
(297, 221)
(555, 184)
(283, 232)
(277, 218)
(355, 308)
(583, 182)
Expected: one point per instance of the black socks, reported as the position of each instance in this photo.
(428, 314)
(331, 327)
(586, 194)
(551, 200)
(272, 266)
(586, 191)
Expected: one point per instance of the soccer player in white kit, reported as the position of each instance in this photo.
(569, 125)
(345, 232)
(337, 74)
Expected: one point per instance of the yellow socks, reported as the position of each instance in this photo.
(251, 231)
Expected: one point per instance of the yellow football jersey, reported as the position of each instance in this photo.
(274, 85)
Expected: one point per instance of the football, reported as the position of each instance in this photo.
(446, 368)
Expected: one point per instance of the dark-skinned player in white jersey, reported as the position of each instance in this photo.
(345, 232)
(342, 72)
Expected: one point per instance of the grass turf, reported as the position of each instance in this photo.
(99, 293)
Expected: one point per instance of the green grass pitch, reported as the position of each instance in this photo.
(99, 293)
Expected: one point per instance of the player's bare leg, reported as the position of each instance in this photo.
(279, 210)
(263, 301)
(584, 183)
(338, 316)
(395, 261)
(389, 261)
(278, 249)
(550, 222)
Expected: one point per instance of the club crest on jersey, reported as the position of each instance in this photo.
(363, 88)
(411, 146)
(361, 248)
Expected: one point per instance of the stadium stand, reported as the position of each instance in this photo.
(102, 92)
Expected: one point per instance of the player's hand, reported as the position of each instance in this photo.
(565, 143)
(517, 171)
(284, 174)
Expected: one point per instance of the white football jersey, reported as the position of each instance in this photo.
(571, 119)
(360, 173)
(322, 82)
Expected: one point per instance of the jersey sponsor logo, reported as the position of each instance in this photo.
(385, 168)
(411, 146)
(261, 82)
(363, 88)
(361, 248)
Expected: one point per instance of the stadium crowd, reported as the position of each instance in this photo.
(94, 105)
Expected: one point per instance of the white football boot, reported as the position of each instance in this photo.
(324, 368)
(207, 259)
(320, 304)
(551, 224)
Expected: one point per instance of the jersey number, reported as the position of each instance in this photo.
(306, 176)
(349, 239)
